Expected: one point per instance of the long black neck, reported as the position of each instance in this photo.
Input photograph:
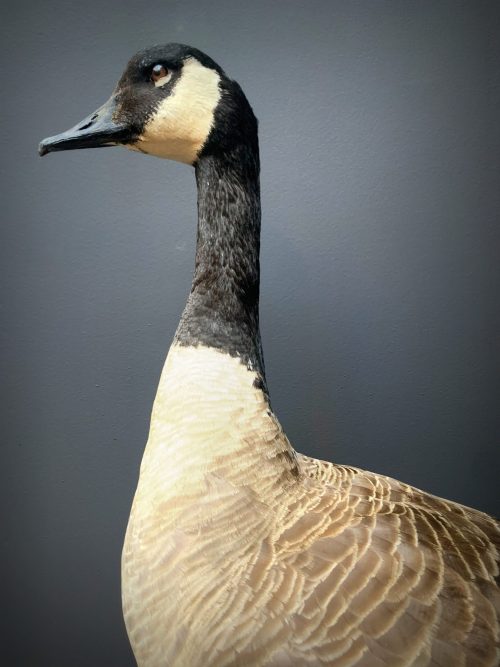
(223, 307)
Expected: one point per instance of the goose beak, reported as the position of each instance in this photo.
(98, 129)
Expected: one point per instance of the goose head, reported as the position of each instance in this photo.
(172, 101)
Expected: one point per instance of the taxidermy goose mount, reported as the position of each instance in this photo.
(239, 550)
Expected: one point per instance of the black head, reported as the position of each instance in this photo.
(172, 101)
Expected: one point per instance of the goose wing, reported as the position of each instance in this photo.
(375, 573)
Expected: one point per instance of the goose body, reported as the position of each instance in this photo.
(239, 550)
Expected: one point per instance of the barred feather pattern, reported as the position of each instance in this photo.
(240, 551)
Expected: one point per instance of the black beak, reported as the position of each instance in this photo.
(98, 129)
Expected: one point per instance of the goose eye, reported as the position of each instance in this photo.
(159, 75)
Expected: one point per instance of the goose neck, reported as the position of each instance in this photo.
(223, 307)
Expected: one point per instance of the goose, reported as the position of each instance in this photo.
(239, 550)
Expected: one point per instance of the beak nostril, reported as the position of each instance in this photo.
(87, 125)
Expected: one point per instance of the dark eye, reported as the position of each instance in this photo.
(159, 72)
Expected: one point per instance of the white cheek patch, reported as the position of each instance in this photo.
(181, 124)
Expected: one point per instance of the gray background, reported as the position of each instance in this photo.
(379, 128)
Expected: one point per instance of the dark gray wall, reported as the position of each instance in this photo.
(379, 127)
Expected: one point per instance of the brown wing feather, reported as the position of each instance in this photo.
(392, 575)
